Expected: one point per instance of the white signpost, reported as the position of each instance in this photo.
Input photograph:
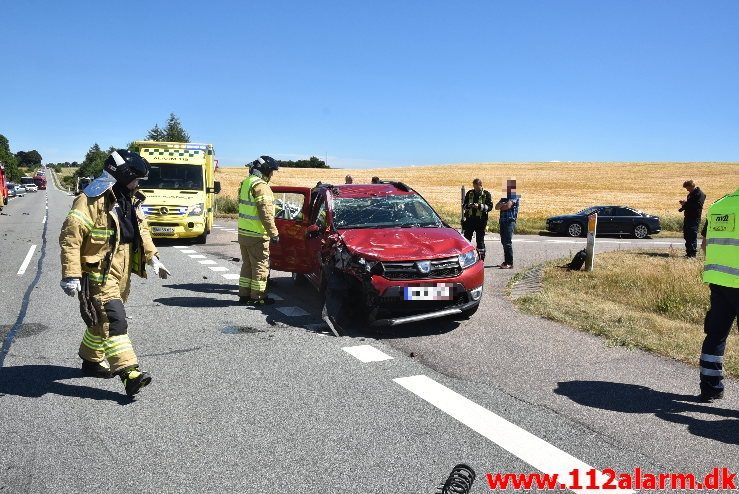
(590, 247)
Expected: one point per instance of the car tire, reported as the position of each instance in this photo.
(201, 239)
(575, 229)
(641, 231)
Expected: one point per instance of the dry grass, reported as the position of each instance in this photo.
(547, 188)
(654, 300)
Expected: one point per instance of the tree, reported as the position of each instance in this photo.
(156, 134)
(28, 158)
(92, 166)
(174, 132)
(313, 162)
(9, 160)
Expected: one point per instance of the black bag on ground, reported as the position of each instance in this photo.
(577, 262)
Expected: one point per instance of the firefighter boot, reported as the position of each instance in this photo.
(134, 379)
(481, 254)
(96, 369)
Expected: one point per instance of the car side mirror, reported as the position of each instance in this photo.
(313, 231)
(216, 189)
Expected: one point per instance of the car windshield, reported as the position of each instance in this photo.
(405, 211)
(174, 177)
(589, 210)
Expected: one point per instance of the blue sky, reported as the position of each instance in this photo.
(378, 83)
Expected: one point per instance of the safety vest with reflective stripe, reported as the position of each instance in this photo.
(250, 224)
(722, 242)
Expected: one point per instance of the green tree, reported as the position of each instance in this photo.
(313, 162)
(28, 158)
(174, 132)
(155, 134)
(9, 160)
(92, 166)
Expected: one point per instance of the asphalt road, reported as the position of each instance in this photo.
(252, 401)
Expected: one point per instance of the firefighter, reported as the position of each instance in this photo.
(103, 239)
(257, 230)
(477, 203)
(721, 272)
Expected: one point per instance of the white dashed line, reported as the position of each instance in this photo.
(179, 247)
(207, 261)
(27, 260)
(219, 269)
(522, 444)
(188, 251)
(367, 353)
(293, 311)
(231, 276)
(196, 256)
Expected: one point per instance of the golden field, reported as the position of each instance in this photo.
(546, 188)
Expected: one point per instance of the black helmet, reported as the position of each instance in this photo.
(126, 166)
(265, 164)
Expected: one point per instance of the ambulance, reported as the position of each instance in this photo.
(179, 189)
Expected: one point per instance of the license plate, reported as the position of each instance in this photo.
(442, 291)
(162, 229)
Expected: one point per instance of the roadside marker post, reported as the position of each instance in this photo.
(590, 247)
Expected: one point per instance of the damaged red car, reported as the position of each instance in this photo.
(379, 253)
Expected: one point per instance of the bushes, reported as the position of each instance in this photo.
(226, 205)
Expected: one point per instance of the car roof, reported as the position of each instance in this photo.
(371, 190)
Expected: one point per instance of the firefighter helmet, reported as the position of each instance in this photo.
(126, 166)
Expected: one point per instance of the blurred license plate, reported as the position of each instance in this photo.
(441, 291)
(162, 229)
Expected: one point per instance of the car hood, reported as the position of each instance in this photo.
(403, 244)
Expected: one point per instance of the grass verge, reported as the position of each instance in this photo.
(650, 299)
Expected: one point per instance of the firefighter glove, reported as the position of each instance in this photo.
(71, 286)
(159, 268)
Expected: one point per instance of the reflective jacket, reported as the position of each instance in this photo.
(483, 198)
(256, 209)
(722, 242)
(91, 234)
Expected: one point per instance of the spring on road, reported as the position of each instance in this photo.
(459, 481)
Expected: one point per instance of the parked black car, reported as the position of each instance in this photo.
(611, 219)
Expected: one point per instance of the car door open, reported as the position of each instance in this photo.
(291, 253)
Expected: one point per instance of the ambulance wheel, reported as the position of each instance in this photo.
(201, 239)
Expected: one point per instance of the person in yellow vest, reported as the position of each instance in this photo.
(103, 240)
(721, 272)
(257, 230)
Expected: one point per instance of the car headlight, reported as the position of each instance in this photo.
(555, 221)
(468, 259)
(196, 209)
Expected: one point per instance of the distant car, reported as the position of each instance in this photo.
(31, 187)
(611, 219)
(18, 190)
(11, 191)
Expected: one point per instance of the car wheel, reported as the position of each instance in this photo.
(641, 231)
(201, 239)
(574, 230)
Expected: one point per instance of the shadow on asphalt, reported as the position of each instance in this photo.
(206, 288)
(34, 381)
(196, 302)
(632, 398)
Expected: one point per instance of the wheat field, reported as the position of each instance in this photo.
(546, 188)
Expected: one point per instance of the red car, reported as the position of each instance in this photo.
(379, 252)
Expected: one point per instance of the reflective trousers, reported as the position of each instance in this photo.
(477, 227)
(254, 267)
(720, 318)
(109, 338)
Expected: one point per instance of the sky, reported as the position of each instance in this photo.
(377, 83)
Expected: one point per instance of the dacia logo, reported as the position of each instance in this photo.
(423, 266)
(163, 210)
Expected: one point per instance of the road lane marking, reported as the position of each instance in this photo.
(189, 251)
(277, 297)
(219, 269)
(196, 256)
(367, 353)
(293, 311)
(43, 220)
(231, 276)
(179, 247)
(517, 441)
(207, 261)
(27, 260)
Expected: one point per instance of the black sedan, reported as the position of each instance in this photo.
(611, 219)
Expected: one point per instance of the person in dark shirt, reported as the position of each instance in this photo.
(477, 204)
(692, 208)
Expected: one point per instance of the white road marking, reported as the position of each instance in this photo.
(517, 441)
(276, 297)
(27, 260)
(208, 261)
(188, 251)
(179, 247)
(230, 229)
(292, 311)
(666, 243)
(566, 241)
(196, 256)
(219, 269)
(612, 242)
(231, 276)
(367, 353)
(526, 241)
(43, 220)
